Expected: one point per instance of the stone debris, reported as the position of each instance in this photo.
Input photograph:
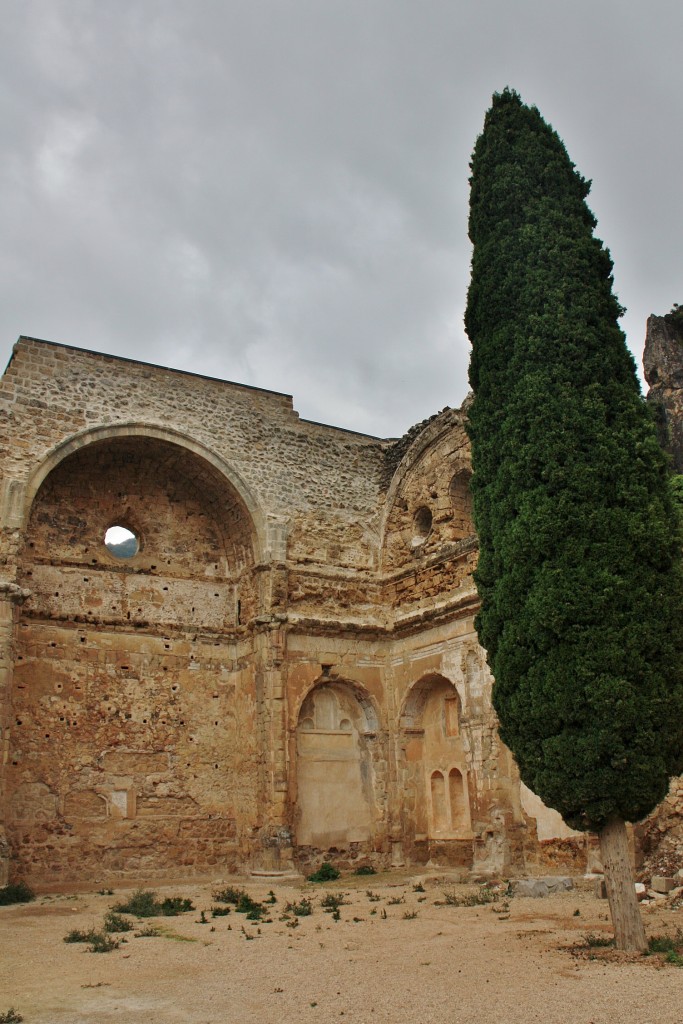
(662, 884)
(539, 887)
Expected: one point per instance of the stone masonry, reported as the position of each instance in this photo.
(284, 670)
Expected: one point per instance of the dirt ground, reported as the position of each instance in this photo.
(396, 955)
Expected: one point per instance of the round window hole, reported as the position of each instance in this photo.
(422, 525)
(121, 542)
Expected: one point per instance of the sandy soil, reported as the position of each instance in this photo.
(379, 963)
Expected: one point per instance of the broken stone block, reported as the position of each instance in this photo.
(538, 887)
(662, 884)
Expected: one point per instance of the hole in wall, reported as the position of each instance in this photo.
(121, 542)
(422, 525)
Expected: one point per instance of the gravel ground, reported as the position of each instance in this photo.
(418, 960)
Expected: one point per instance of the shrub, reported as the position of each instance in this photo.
(98, 942)
(17, 892)
(594, 941)
(230, 894)
(76, 935)
(115, 923)
(670, 945)
(246, 905)
(10, 1016)
(144, 903)
(325, 873)
(302, 909)
(365, 869)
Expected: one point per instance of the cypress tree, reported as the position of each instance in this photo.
(579, 574)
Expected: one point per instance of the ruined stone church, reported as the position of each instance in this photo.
(278, 667)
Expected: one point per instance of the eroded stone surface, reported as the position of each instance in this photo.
(285, 669)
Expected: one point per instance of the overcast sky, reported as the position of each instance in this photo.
(276, 192)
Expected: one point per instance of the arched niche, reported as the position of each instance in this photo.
(337, 796)
(185, 513)
(434, 764)
(167, 435)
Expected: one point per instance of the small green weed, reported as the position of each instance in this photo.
(115, 923)
(409, 915)
(150, 931)
(325, 873)
(230, 894)
(593, 941)
(670, 945)
(76, 935)
(419, 887)
(395, 900)
(481, 898)
(304, 908)
(100, 942)
(272, 898)
(220, 911)
(16, 892)
(246, 905)
(11, 1016)
(365, 869)
(331, 902)
(372, 896)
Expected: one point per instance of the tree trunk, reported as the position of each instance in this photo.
(629, 932)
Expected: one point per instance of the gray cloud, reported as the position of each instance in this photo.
(276, 192)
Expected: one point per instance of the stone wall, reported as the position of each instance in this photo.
(284, 668)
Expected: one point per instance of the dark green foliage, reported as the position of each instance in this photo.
(144, 903)
(579, 573)
(174, 905)
(304, 908)
(98, 942)
(594, 941)
(253, 910)
(365, 869)
(115, 923)
(332, 902)
(230, 894)
(76, 935)
(672, 945)
(17, 892)
(677, 492)
(220, 911)
(325, 873)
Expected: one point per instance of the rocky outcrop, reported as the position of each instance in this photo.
(661, 834)
(663, 366)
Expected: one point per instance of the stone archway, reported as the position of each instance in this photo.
(337, 803)
(434, 772)
(128, 706)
